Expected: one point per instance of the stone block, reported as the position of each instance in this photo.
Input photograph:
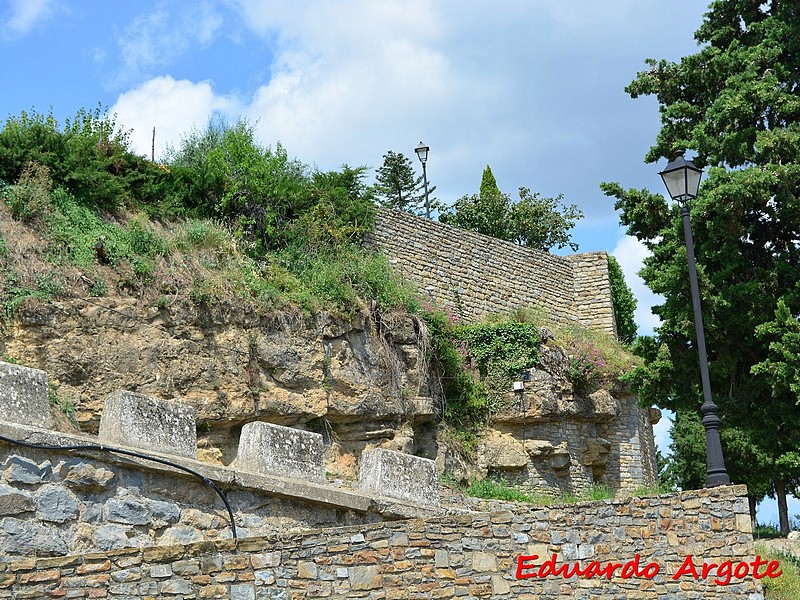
(23, 396)
(399, 475)
(140, 421)
(265, 448)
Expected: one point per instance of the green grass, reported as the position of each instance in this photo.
(494, 489)
(787, 585)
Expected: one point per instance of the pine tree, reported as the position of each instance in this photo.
(397, 187)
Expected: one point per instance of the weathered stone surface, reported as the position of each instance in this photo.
(502, 452)
(31, 538)
(470, 271)
(163, 513)
(55, 504)
(560, 458)
(111, 537)
(143, 422)
(14, 501)
(267, 448)
(654, 415)
(398, 475)
(85, 476)
(596, 452)
(129, 510)
(450, 462)
(23, 470)
(180, 534)
(23, 395)
(536, 448)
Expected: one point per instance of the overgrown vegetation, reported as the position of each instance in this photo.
(498, 489)
(224, 220)
(227, 221)
(787, 585)
(479, 362)
(623, 300)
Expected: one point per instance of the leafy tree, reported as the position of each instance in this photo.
(397, 187)
(89, 156)
(227, 172)
(735, 103)
(781, 367)
(533, 221)
(623, 300)
(340, 210)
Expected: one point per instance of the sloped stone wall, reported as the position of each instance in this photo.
(478, 275)
(477, 555)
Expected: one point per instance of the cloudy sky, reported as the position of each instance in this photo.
(533, 88)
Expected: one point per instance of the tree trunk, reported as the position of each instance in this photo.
(783, 507)
(753, 502)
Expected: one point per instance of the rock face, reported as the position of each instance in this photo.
(358, 383)
(552, 438)
(361, 383)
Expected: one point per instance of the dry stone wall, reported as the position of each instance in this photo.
(478, 275)
(471, 556)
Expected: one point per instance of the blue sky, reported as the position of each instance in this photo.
(533, 88)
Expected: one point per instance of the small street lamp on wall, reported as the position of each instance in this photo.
(422, 154)
(682, 179)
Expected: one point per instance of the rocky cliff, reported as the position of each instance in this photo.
(362, 382)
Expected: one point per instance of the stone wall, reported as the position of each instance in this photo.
(478, 275)
(54, 502)
(470, 556)
(64, 493)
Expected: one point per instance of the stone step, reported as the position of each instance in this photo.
(165, 426)
(23, 396)
(399, 475)
(265, 448)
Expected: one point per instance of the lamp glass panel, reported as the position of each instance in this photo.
(675, 182)
(693, 183)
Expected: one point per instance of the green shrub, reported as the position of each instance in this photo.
(30, 197)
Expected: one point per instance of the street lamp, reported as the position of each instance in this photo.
(422, 154)
(682, 179)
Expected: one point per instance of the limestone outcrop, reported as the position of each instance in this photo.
(362, 383)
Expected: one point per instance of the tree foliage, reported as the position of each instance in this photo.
(272, 200)
(736, 103)
(623, 301)
(397, 187)
(533, 221)
(88, 155)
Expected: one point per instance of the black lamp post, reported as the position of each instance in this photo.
(422, 154)
(682, 179)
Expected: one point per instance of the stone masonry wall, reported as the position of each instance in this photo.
(468, 556)
(477, 275)
(55, 502)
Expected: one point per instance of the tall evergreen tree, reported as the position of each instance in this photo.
(736, 104)
(397, 187)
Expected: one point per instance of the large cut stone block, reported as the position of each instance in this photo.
(149, 423)
(285, 451)
(23, 396)
(399, 475)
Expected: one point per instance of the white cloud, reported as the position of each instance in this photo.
(173, 107)
(156, 38)
(27, 14)
(630, 253)
(352, 79)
